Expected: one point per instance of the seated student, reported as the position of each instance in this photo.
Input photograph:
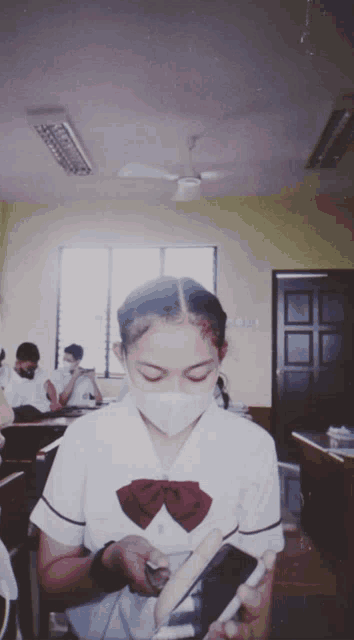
(75, 386)
(5, 369)
(29, 384)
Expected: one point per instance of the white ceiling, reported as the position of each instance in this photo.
(137, 77)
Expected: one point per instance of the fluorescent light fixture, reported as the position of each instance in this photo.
(305, 274)
(336, 137)
(53, 126)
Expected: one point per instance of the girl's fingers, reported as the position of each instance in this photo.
(250, 597)
(269, 558)
(228, 631)
(158, 560)
(231, 629)
(216, 630)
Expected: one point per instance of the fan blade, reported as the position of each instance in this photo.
(214, 175)
(137, 170)
(188, 189)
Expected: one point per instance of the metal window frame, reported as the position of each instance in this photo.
(60, 260)
(162, 248)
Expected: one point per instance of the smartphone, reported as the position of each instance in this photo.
(211, 597)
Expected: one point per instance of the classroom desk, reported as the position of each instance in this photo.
(46, 422)
(23, 440)
(57, 421)
(327, 516)
(327, 487)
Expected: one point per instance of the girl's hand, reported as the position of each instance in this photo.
(55, 406)
(129, 556)
(255, 612)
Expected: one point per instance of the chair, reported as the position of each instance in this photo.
(44, 460)
(24, 441)
(13, 532)
(21, 540)
(22, 444)
(41, 607)
(13, 514)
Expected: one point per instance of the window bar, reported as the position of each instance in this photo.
(162, 261)
(57, 339)
(215, 265)
(108, 313)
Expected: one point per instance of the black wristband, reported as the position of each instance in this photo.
(106, 579)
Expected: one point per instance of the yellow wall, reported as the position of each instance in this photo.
(254, 235)
(4, 213)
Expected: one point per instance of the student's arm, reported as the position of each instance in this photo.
(97, 392)
(52, 395)
(64, 570)
(6, 412)
(66, 393)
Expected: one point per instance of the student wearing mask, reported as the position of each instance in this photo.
(151, 476)
(5, 369)
(29, 385)
(75, 386)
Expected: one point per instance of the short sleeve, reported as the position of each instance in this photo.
(12, 393)
(259, 518)
(41, 376)
(60, 511)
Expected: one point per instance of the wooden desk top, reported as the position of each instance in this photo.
(336, 448)
(58, 421)
(45, 422)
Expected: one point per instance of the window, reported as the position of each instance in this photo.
(95, 282)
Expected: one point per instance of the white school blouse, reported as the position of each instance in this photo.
(232, 459)
(82, 390)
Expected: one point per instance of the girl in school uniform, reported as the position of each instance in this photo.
(151, 476)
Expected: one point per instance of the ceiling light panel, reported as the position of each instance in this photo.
(53, 126)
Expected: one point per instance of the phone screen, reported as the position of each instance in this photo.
(216, 586)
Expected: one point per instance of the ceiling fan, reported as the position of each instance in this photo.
(188, 184)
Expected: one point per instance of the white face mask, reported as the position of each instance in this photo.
(68, 366)
(171, 411)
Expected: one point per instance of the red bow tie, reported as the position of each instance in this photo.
(141, 500)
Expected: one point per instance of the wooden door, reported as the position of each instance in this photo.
(313, 359)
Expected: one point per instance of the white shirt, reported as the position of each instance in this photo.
(82, 389)
(5, 375)
(232, 459)
(21, 391)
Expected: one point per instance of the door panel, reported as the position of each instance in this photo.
(298, 307)
(313, 353)
(298, 348)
